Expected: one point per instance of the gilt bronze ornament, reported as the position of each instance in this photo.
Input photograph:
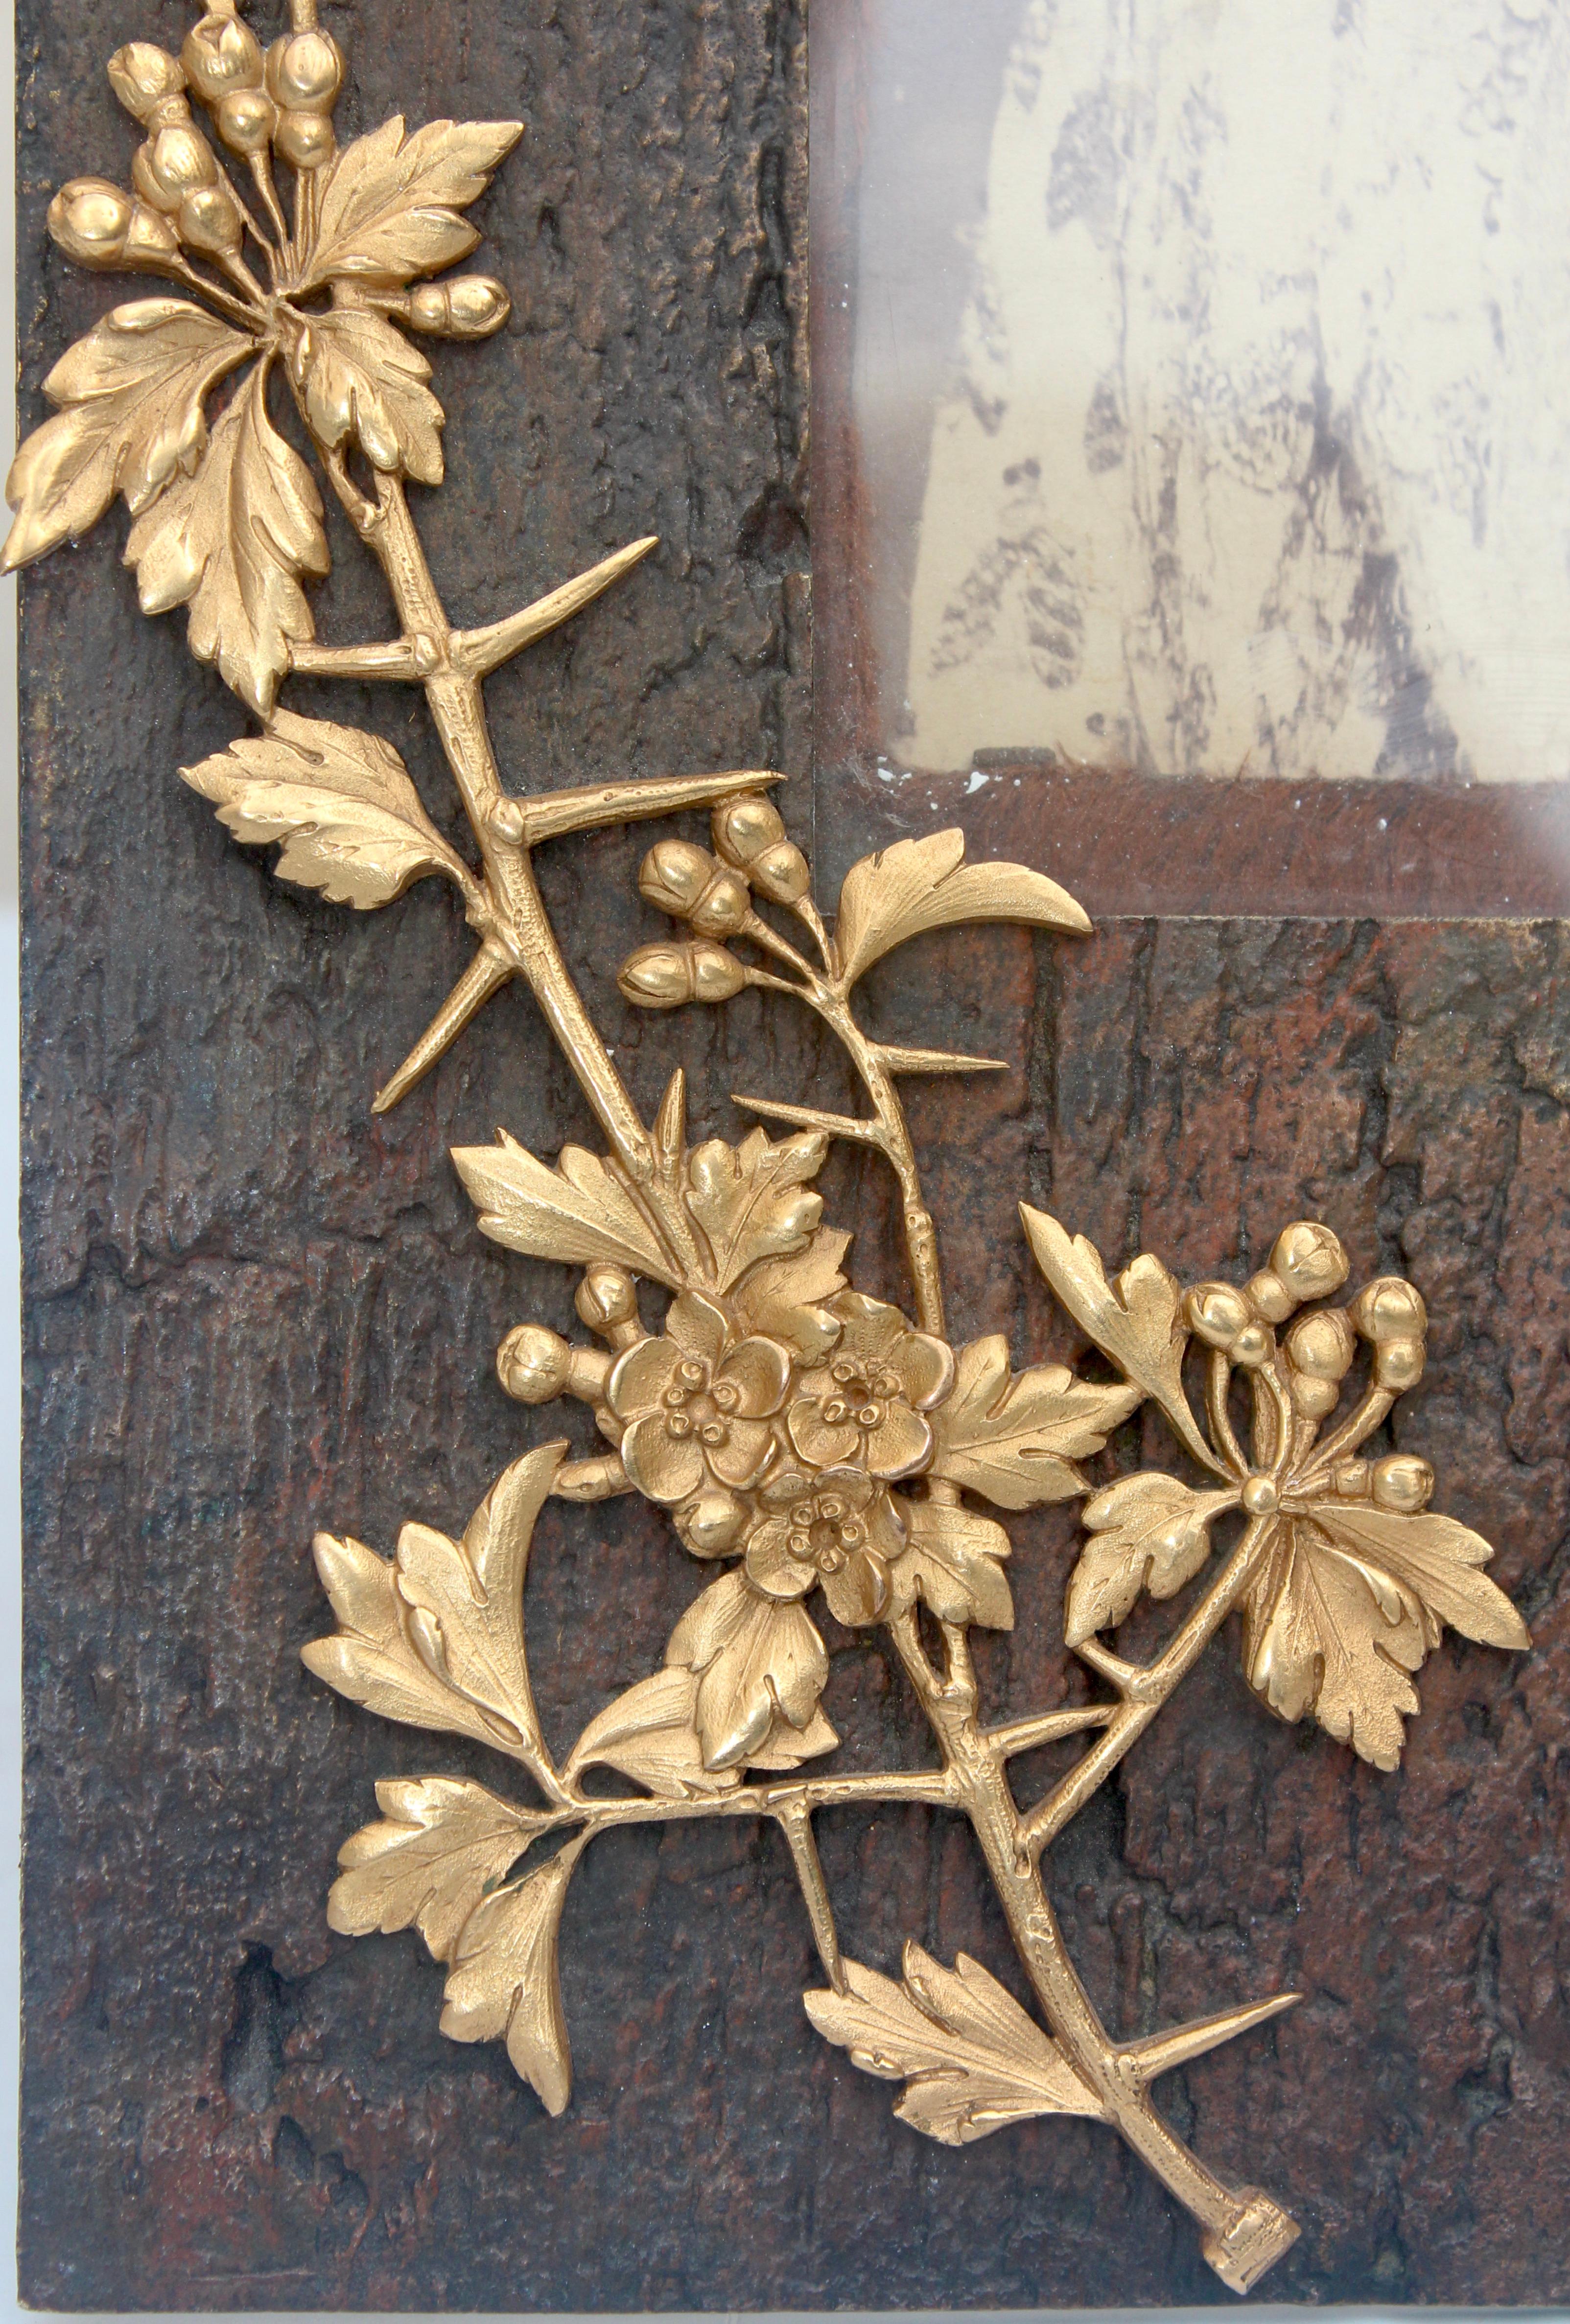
(808, 1437)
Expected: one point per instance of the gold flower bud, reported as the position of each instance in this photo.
(1398, 1364)
(781, 873)
(221, 54)
(662, 976)
(1216, 1312)
(722, 906)
(606, 1299)
(209, 220)
(745, 828)
(1389, 1308)
(305, 71)
(674, 874)
(1352, 1480)
(471, 308)
(711, 1524)
(1316, 1399)
(246, 120)
(176, 162)
(1268, 1297)
(144, 76)
(1309, 1260)
(90, 219)
(1402, 1482)
(687, 883)
(1322, 1346)
(1254, 1345)
(532, 1364)
(305, 140)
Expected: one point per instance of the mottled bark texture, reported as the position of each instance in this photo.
(254, 1310)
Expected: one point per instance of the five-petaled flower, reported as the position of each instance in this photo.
(694, 1412)
(836, 1526)
(867, 1403)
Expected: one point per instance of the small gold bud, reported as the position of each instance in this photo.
(305, 71)
(144, 76)
(1351, 1480)
(607, 1300)
(1398, 1364)
(723, 905)
(744, 827)
(246, 120)
(1309, 1260)
(1402, 1480)
(710, 1523)
(471, 308)
(150, 240)
(1261, 1497)
(532, 1364)
(1389, 1308)
(1216, 1312)
(90, 219)
(781, 873)
(176, 162)
(305, 140)
(1323, 1345)
(209, 220)
(674, 874)
(1254, 1345)
(219, 55)
(1268, 1297)
(663, 976)
(1316, 1399)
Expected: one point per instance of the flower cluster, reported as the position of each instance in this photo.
(755, 1450)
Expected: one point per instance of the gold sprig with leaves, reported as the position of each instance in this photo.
(808, 1439)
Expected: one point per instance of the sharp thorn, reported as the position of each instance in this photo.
(900, 1060)
(479, 652)
(1162, 2051)
(484, 975)
(551, 814)
(807, 1116)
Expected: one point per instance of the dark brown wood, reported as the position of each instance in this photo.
(253, 1310)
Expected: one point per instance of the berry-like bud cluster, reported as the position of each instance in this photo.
(304, 72)
(1308, 1262)
(175, 171)
(98, 224)
(469, 306)
(713, 893)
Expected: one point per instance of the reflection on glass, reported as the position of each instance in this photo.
(1212, 384)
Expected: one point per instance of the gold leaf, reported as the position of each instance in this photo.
(952, 1563)
(1137, 1320)
(358, 377)
(784, 1748)
(350, 819)
(467, 1599)
(972, 2060)
(650, 1733)
(1328, 1634)
(1350, 1599)
(388, 203)
(1436, 1557)
(779, 1296)
(578, 1211)
(444, 1844)
(755, 1656)
(747, 1198)
(506, 1978)
(925, 883)
(370, 1659)
(436, 1639)
(1016, 1436)
(231, 541)
(131, 393)
(1149, 1531)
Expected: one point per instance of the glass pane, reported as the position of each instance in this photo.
(1190, 410)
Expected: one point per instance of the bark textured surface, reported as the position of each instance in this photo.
(255, 1311)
